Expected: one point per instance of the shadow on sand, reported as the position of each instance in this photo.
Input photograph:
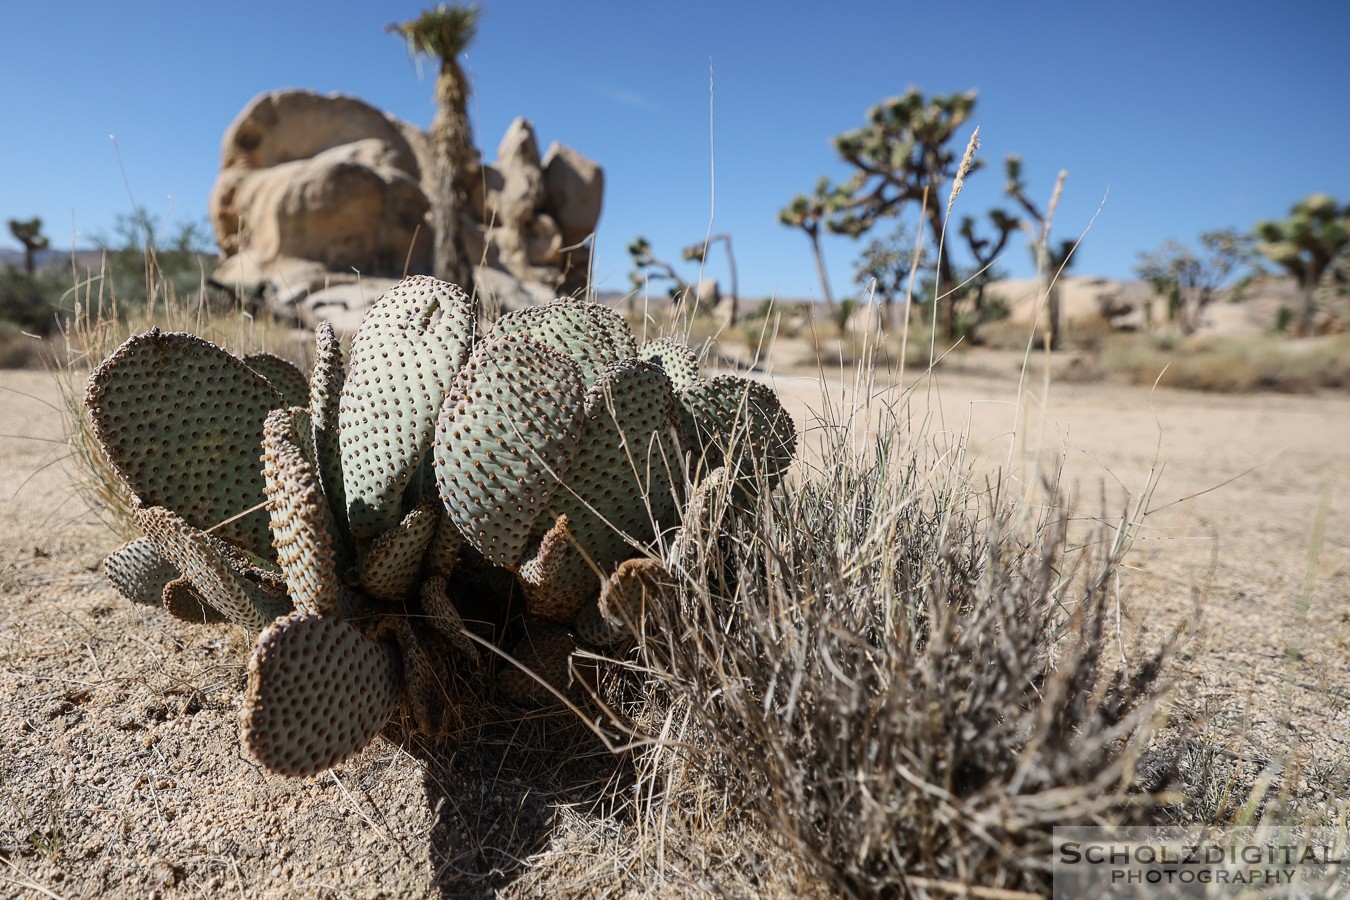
(495, 796)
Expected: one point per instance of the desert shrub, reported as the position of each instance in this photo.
(32, 303)
(1003, 334)
(145, 259)
(902, 680)
(1089, 333)
(20, 349)
(1232, 365)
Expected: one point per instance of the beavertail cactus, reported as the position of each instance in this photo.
(382, 524)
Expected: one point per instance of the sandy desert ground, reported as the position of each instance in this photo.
(120, 768)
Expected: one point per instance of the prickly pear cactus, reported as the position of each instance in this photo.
(449, 496)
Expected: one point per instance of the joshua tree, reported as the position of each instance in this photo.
(444, 33)
(28, 233)
(811, 214)
(903, 155)
(1307, 245)
(647, 267)
(699, 253)
(1189, 279)
(1050, 261)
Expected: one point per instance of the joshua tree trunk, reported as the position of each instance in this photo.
(453, 165)
(945, 314)
(735, 292)
(443, 33)
(814, 234)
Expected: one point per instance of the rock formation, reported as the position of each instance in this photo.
(317, 191)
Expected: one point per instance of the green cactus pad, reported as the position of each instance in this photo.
(282, 375)
(318, 692)
(678, 361)
(734, 422)
(325, 393)
(214, 570)
(594, 336)
(139, 572)
(393, 564)
(617, 491)
(182, 601)
(181, 422)
(302, 525)
(510, 426)
(443, 551)
(441, 612)
(404, 357)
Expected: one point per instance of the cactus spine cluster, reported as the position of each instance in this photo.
(447, 488)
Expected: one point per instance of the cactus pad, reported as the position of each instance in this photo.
(182, 601)
(510, 426)
(404, 357)
(592, 335)
(679, 362)
(302, 525)
(701, 517)
(282, 375)
(325, 393)
(181, 421)
(634, 585)
(318, 691)
(443, 551)
(441, 612)
(740, 424)
(212, 568)
(139, 572)
(619, 489)
(393, 564)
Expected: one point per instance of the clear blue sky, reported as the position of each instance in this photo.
(1193, 115)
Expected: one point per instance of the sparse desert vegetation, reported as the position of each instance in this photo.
(904, 644)
(1044, 551)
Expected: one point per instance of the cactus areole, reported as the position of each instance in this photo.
(446, 487)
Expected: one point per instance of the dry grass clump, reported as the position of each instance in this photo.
(901, 679)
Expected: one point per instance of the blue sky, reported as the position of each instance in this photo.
(1172, 118)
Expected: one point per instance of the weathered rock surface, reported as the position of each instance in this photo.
(319, 191)
(574, 189)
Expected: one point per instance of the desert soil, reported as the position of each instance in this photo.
(121, 772)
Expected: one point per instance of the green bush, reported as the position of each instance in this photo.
(31, 303)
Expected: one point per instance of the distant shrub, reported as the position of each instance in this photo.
(1232, 365)
(32, 303)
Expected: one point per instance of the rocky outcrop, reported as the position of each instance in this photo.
(327, 180)
(530, 217)
(317, 191)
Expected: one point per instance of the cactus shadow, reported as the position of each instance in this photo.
(495, 798)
